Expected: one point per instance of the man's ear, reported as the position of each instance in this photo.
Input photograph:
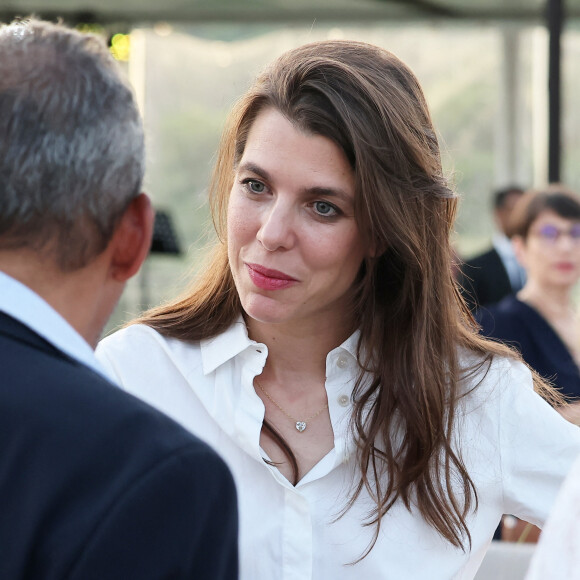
(131, 241)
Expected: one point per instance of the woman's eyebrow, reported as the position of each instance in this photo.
(251, 167)
(329, 192)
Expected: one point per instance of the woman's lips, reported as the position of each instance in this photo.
(267, 279)
(565, 266)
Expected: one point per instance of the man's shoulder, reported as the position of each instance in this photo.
(46, 388)
(115, 467)
(29, 360)
(483, 258)
(78, 422)
(504, 314)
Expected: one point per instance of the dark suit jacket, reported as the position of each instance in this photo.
(514, 322)
(95, 484)
(484, 279)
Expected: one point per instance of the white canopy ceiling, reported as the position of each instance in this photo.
(143, 11)
(117, 14)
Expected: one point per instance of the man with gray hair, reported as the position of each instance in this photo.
(94, 484)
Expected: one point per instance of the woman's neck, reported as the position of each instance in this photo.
(295, 351)
(551, 301)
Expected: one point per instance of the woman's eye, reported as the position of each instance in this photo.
(325, 209)
(255, 186)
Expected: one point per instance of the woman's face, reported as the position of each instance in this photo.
(294, 247)
(551, 251)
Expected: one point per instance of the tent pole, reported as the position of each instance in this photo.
(555, 19)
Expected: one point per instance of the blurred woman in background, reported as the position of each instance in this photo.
(541, 321)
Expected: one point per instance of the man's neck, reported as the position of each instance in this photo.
(79, 296)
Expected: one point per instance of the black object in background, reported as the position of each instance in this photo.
(164, 237)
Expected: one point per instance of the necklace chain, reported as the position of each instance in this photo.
(299, 424)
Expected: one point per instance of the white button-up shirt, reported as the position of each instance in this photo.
(557, 556)
(516, 448)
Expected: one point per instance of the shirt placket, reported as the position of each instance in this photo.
(297, 537)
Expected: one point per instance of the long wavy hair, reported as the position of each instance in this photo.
(411, 317)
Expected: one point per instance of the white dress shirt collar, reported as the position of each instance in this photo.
(502, 244)
(516, 273)
(20, 302)
(220, 349)
(234, 404)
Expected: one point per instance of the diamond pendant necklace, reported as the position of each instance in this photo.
(300, 425)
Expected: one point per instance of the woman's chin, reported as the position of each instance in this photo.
(265, 311)
(564, 280)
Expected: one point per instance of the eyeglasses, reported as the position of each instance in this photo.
(551, 234)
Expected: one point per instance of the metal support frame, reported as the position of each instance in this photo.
(554, 21)
(509, 130)
(400, 10)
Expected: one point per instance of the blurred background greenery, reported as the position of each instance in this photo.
(188, 77)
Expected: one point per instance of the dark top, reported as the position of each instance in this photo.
(484, 279)
(95, 484)
(518, 324)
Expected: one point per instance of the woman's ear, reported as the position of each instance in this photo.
(131, 241)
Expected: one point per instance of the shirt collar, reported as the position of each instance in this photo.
(350, 344)
(226, 346)
(23, 304)
(502, 245)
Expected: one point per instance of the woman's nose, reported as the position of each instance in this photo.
(566, 242)
(277, 229)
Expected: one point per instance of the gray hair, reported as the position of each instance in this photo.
(71, 142)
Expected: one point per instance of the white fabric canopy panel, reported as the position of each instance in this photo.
(143, 11)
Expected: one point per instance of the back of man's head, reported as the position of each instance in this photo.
(503, 196)
(504, 201)
(71, 143)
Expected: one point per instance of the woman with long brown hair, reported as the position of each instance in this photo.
(325, 351)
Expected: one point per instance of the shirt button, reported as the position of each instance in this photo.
(343, 400)
(341, 362)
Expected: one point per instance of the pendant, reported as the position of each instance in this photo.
(300, 425)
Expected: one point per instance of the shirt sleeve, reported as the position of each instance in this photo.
(557, 555)
(537, 448)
